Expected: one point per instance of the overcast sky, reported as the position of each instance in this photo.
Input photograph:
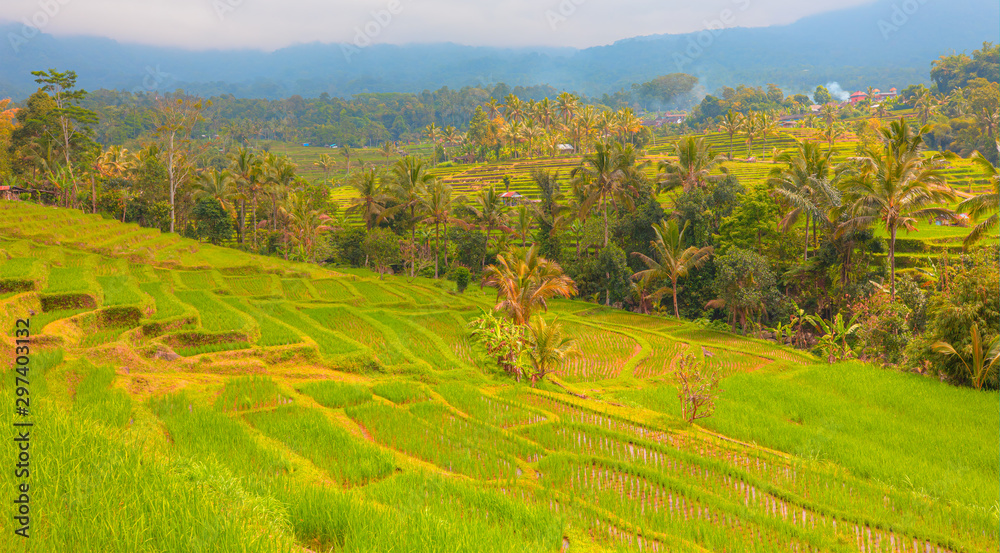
(273, 24)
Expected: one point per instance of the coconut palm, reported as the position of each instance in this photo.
(608, 175)
(546, 348)
(305, 224)
(525, 282)
(804, 183)
(346, 152)
(751, 128)
(893, 186)
(566, 105)
(522, 223)
(371, 197)
(215, 185)
(278, 175)
(675, 261)
(489, 212)
(407, 185)
(695, 161)
(438, 204)
(732, 123)
(983, 204)
(768, 127)
(326, 164)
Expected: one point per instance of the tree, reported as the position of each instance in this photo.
(983, 204)
(388, 150)
(346, 153)
(695, 161)
(438, 204)
(370, 196)
(217, 185)
(822, 96)
(744, 285)
(176, 120)
(675, 261)
(546, 348)
(894, 186)
(732, 122)
(751, 128)
(525, 282)
(326, 164)
(408, 182)
(381, 247)
(804, 184)
(72, 121)
(697, 387)
(214, 223)
(305, 223)
(490, 212)
(608, 174)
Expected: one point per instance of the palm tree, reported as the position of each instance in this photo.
(245, 167)
(894, 186)
(983, 363)
(279, 173)
(525, 282)
(388, 150)
(371, 197)
(327, 164)
(547, 347)
(522, 224)
(432, 132)
(608, 174)
(215, 185)
(695, 161)
(438, 204)
(978, 206)
(346, 152)
(804, 183)
(732, 122)
(408, 182)
(751, 127)
(493, 108)
(566, 105)
(768, 127)
(114, 163)
(832, 132)
(304, 223)
(675, 261)
(489, 210)
(513, 109)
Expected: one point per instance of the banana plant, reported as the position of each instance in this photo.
(982, 366)
(833, 342)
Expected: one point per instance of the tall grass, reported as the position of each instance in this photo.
(249, 392)
(401, 391)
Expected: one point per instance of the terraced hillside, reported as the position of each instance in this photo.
(190, 397)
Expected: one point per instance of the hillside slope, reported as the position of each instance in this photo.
(195, 397)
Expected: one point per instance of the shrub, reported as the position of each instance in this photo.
(462, 276)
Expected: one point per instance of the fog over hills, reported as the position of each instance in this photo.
(885, 43)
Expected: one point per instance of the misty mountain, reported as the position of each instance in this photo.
(882, 44)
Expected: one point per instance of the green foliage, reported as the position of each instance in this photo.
(969, 299)
(382, 249)
(349, 246)
(249, 392)
(744, 286)
(97, 399)
(216, 347)
(213, 222)
(461, 276)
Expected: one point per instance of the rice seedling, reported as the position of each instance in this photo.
(18, 267)
(346, 458)
(215, 316)
(101, 337)
(67, 279)
(40, 320)
(400, 430)
(604, 354)
(479, 434)
(259, 285)
(401, 391)
(375, 294)
(335, 394)
(330, 343)
(352, 324)
(487, 409)
(250, 392)
(272, 332)
(97, 399)
(295, 289)
(196, 280)
(118, 291)
(167, 305)
(218, 347)
(414, 339)
(452, 331)
(332, 290)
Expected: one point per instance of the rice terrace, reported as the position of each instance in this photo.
(612, 308)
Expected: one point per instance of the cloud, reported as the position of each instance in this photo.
(273, 24)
